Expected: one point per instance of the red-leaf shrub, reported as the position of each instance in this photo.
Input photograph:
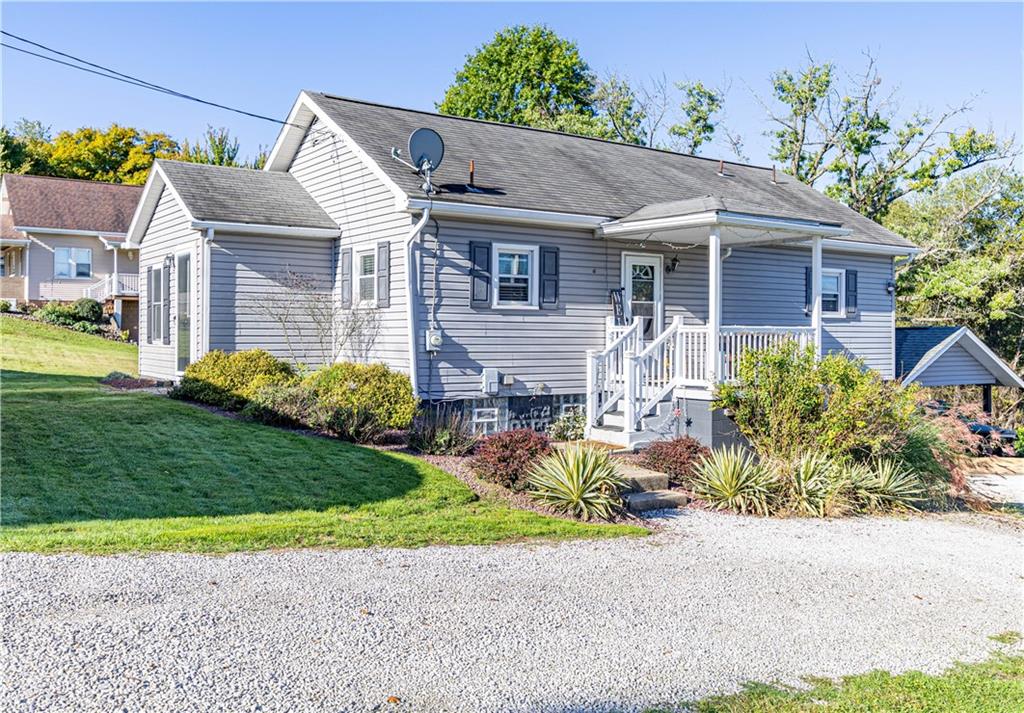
(676, 458)
(506, 458)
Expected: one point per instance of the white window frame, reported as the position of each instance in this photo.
(72, 264)
(155, 307)
(484, 416)
(358, 277)
(841, 274)
(534, 253)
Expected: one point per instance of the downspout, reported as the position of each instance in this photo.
(205, 337)
(410, 304)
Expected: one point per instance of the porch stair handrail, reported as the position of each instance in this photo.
(606, 368)
(99, 289)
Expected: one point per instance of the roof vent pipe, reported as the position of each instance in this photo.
(472, 171)
(721, 167)
(773, 175)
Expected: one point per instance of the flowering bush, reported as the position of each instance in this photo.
(506, 458)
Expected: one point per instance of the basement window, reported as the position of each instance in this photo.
(484, 421)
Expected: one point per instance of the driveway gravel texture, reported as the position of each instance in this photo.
(708, 602)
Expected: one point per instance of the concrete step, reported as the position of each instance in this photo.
(614, 419)
(641, 479)
(655, 500)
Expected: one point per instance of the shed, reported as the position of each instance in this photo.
(951, 356)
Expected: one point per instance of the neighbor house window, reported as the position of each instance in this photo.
(367, 278)
(72, 262)
(155, 305)
(832, 288)
(515, 283)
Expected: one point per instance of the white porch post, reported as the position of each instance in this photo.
(816, 293)
(714, 303)
(117, 278)
(591, 389)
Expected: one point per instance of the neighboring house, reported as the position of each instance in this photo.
(63, 239)
(548, 271)
(951, 356)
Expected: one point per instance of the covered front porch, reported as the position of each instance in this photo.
(651, 361)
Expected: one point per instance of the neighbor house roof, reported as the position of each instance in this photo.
(920, 351)
(70, 204)
(243, 195)
(521, 167)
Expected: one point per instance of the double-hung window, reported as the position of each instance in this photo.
(515, 275)
(72, 262)
(366, 278)
(833, 288)
(155, 305)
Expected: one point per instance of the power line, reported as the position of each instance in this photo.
(109, 73)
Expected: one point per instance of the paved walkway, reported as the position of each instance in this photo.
(710, 602)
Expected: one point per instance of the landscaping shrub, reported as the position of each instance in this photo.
(676, 458)
(786, 402)
(506, 458)
(5, 306)
(57, 313)
(230, 380)
(578, 480)
(442, 431)
(284, 404)
(731, 479)
(811, 486)
(365, 391)
(885, 485)
(88, 309)
(570, 426)
(87, 327)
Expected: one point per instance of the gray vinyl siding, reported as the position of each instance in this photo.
(44, 286)
(955, 367)
(364, 209)
(249, 278)
(765, 286)
(169, 233)
(544, 350)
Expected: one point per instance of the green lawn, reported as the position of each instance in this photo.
(88, 470)
(993, 686)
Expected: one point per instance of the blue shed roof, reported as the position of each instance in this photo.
(912, 343)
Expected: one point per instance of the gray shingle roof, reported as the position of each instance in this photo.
(70, 204)
(706, 204)
(521, 167)
(243, 195)
(912, 343)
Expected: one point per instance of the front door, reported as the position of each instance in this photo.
(642, 281)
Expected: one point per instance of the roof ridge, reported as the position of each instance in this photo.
(75, 180)
(216, 166)
(507, 125)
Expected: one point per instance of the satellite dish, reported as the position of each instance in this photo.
(426, 149)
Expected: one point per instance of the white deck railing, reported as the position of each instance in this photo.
(126, 284)
(643, 375)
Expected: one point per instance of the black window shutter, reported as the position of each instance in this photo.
(851, 292)
(808, 293)
(165, 285)
(548, 277)
(479, 274)
(346, 277)
(149, 305)
(384, 274)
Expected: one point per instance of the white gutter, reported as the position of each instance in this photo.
(721, 218)
(506, 215)
(410, 303)
(207, 239)
(852, 246)
(261, 229)
(110, 244)
(15, 242)
(69, 231)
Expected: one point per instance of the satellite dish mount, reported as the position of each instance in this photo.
(426, 150)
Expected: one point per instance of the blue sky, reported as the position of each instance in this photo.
(258, 56)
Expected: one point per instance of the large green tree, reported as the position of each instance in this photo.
(699, 106)
(848, 136)
(522, 75)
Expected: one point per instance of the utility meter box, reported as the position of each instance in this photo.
(434, 340)
(489, 380)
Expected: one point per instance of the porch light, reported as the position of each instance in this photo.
(890, 287)
(672, 264)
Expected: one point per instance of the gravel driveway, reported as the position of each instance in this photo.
(709, 602)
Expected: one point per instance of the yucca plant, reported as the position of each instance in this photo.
(730, 479)
(812, 484)
(578, 480)
(885, 485)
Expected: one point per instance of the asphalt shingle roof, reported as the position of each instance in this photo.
(70, 204)
(912, 343)
(520, 167)
(243, 195)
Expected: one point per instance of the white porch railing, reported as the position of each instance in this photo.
(606, 368)
(111, 285)
(641, 376)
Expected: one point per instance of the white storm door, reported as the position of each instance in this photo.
(642, 280)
